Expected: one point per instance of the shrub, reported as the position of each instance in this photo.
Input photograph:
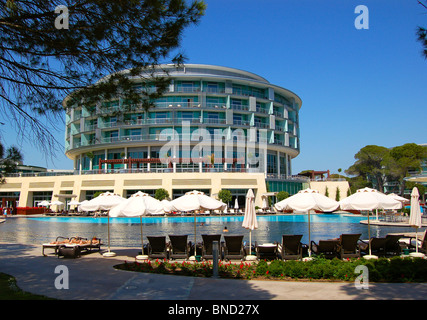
(161, 194)
(225, 196)
(395, 269)
(282, 195)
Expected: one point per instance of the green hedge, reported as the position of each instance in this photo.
(382, 270)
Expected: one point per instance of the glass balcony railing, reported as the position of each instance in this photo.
(262, 125)
(214, 121)
(241, 122)
(215, 105)
(239, 107)
(111, 124)
(262, 110)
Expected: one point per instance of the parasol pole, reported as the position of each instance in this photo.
(142, 238)
(369, 236)
(108, 230)
(195, 243)
(309, 235)
(142, 256)
(369, 256)
(250, 242)
(416, 240)
(109, 253)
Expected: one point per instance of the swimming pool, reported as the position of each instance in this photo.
(126, 231)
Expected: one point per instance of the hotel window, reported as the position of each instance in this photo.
(187, 115)
(113, 135)
(237, 90)
(187, 86)
(114, 155)
(95, 161)
(188, 102)
(271, 163)
(39, 196)
(213, 115)
(138, 155)
(112, 122)
(155, 152)
(212, 87)
(237, 119)
(160, 115)
(135, 132)
(282, 164)
(85, 163)
(256, 92)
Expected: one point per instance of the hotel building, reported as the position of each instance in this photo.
(214, 128)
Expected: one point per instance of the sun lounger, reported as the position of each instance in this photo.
(348, 246)
(233, 247)
(421, 242)
(69, 251)
(157, 247)
(179, 247)
(208, 240)
(89, 245)
(393, 246)
(291, 247)
(377, 246)
(266, 251)
(82, 243)
(55, 244)
(326, 248)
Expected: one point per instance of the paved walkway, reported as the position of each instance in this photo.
(93, 277)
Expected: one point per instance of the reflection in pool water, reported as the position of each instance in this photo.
(126, 231)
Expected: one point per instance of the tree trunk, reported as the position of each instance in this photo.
(402, 187)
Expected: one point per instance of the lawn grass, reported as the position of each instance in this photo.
(10, 291)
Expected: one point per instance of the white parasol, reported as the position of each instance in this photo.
(105, 201)
(196, 200)
(368, 199)
(250, 221)
(44, 203)
(236, 204)
(415, 219)
(305, 201)
(56, 203)
(139, 204)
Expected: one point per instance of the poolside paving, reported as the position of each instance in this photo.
(92, 277)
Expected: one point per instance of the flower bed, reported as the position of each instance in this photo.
(382, 270)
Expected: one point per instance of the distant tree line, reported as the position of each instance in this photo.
(376, 165)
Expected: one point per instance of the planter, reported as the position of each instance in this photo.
(29, 210)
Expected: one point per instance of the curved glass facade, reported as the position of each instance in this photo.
(211, 119)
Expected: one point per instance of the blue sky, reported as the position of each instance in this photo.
(358, 87)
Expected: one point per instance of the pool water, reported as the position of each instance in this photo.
(127, 231)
